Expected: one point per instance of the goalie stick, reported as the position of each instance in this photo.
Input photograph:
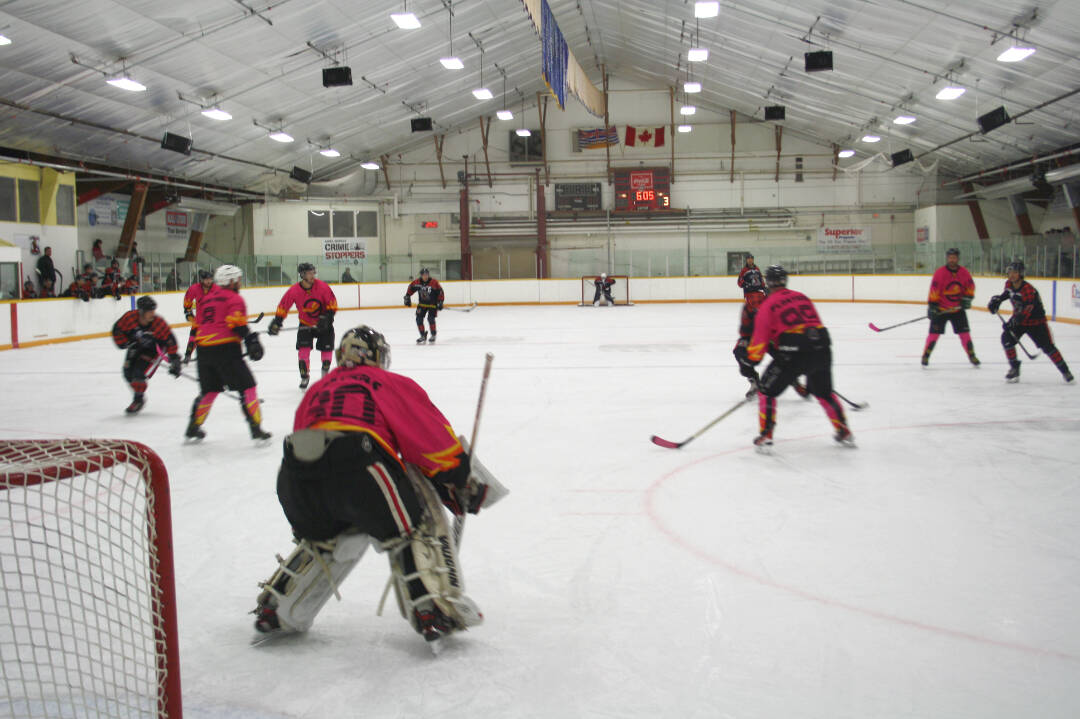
(459, 520)
(1018, 342)
(661, 442)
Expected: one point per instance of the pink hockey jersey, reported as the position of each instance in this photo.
(193, 295)
(220, 312)
(393, 409)
(310, 304)
(948, 287)
(783, 311)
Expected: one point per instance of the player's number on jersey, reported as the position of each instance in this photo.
(801, 313)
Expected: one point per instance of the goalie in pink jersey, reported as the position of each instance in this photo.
(316, 304)
(369, 460)
(222, 321)
(951, 292)
(788, 323)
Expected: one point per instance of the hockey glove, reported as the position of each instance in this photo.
(931, 311)
(439, 306)
(965, 303)
(188, 314)
(254, 347)
(144, 340)
(995, 303)
(408, 301)
(174, 365)
(325, 323)
(275, 326)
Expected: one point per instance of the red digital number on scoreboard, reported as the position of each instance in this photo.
(645, 196)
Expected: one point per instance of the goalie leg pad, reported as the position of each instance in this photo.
(304, 582)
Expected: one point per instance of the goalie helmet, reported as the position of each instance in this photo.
(145, 303)
(225, 275)
(304, 267)
(1016, 265)
(205, 275)
(776, 276)
(363, 346)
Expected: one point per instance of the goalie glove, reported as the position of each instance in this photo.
(254, 347)
(325, 323)
(275, 326)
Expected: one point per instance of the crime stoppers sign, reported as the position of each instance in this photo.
(345, 249)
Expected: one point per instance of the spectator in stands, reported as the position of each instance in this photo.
(172, 281)
(99, 254)
(46, 273)
(346, 276)
(28, 292)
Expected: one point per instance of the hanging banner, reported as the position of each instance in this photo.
(844, 239)
(176, 224)
(555, 55)
(922, 235)
(344, 249)
(575, 78)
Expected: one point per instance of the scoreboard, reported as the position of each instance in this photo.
(645, 188)
(577, 195)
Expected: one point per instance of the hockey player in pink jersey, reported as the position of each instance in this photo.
(369, 460)
(222, 321)
(316, 304)
(191, 299)
(788, 323)
(951, 292)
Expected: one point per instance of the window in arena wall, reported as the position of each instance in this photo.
(65, 205)
(343, 224)
(7, 199)
(318, 223)
(367, 223)
(29, 204)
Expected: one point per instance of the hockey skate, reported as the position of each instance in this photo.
(1068, 377)
(304, 380)
(844, 437)
(259, 434)
(194, 432)
(431, 338)
(136, 404)
(764, 442)
(422, 339)
(925, 361)
(1013, 375)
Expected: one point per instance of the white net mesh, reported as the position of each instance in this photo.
(620, 291)
(87, 619)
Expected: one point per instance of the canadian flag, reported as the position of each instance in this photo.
(644, 137)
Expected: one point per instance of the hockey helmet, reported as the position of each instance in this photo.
(1016, 265)
(603, 275)
(225, 275)
(146, 304)
(304, 267)
(952, 251)
(776, 276)
(424, 271)
(205, 275)
(363, 346)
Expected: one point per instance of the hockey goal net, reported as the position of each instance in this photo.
(620, 291)
(87, 600)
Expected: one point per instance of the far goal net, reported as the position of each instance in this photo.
(87, 600)
(620, 290)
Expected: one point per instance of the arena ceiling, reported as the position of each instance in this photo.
(261, 61)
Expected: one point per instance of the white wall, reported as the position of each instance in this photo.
(59, 319)
(62, 239)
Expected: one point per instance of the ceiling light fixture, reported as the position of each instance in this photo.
(482, 93)
(903, 119)
(523, 131)
(451, 61)
(216, 113)
(687, 110)
(280, 136)
(1016, 53)
(405, 19)
(697, 54)
(123, 81)
(504, 114)
(5, 40)
(950, 92)
(685, 128)
(871, 138)
(706, 8)
(369, 165)
(691, 87)
(329, 152)
(845, 153)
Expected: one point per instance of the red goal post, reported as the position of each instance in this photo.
(620, 291)
(87, 589)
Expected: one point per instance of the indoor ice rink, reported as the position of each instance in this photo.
(928, 572)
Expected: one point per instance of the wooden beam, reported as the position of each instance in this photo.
(732, 178)
(485, 133)
(439, 140)
(131, 222)
(195, 239)
(102, 189)
(607, 147)
(541, 110)
(779, 136)
(386, 170)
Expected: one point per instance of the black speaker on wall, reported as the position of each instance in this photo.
(176, 143)
(421, 124)
(993, 120)
(300, 174)
(818, 61)
(775, 112)
(336, 76)
(902, 157)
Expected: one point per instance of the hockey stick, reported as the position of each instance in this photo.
(459, 520)
(856, 406)
(1018, 342)
(227, 393)
(899, 324)
(470, 308)
(155, 364)
(661, 442)
(257, 320)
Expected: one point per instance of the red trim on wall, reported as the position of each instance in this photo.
(15, 325)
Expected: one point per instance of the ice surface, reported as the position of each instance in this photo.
(932, 572)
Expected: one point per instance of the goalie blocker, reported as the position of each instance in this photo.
(371, 463)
